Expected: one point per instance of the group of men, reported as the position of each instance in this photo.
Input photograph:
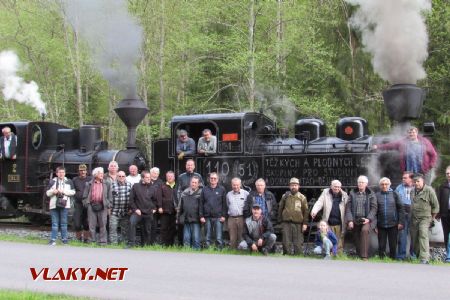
(207, 144)
(188, 203)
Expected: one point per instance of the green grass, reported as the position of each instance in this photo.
(341, 257)
(29, 295)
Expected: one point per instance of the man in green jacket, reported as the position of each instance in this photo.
(293, 216)
(424, 208)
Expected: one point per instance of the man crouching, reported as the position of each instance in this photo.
(258, 232)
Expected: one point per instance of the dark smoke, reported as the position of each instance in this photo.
(113, 36)
(394, 32)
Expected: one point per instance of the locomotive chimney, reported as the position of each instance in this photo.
(403, 102)
(131, 112)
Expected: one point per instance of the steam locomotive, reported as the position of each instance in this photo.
(250, 146)
(42, 146)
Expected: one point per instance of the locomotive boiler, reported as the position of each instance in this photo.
(42, 146)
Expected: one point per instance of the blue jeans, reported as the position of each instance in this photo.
(403, 239)
(448, 249)
(59, 218)
(191, 235)
(214, 226)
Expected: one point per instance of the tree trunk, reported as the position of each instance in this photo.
(280, 62)
(251, 48)
(161, 70)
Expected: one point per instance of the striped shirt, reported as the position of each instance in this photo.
(97, 191)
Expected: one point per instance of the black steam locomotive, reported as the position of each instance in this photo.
(42, 146)
(250, 146)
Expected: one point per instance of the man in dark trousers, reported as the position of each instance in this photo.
(143, 205)
(183, 182)
(258, 232)
(190, 213)
(444, 206)
(166, 209)
(214, 209)
(360, 213)
(80, 219)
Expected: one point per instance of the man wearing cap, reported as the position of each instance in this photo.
(293, 214)
(258, 232)
(424, 208)
(80, 219)
(333, 201)
(185, 145)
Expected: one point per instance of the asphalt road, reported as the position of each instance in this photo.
(168, 275)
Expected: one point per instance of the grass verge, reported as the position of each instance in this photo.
(341, 257)
(31, 295)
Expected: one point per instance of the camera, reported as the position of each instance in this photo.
(60, 195)
(359, 221)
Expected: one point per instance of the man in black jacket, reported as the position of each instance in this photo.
(190, 213)
(80, 219)
(167, 211)
(258, 232)
(143, 205)
(214, 209)
(390, 218)
(265, 199)
(444, 206)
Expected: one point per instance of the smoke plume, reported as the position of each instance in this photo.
(113, 36)
(14, 87)
(394, 32)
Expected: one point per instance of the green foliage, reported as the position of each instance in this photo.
(196, 58)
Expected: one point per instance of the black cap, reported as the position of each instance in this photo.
(418, 176)
(256, 205)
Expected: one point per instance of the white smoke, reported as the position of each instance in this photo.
(14, 87)
(394, 32)
(113, 36)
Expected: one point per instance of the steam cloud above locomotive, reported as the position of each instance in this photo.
(113, 36)
(394, 32)
(14, 87)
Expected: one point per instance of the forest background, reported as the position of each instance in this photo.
(292, 58)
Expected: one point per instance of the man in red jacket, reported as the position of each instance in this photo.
(417, 154)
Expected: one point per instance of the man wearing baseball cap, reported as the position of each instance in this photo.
(258, 232)
(424, 208)
(293, 216)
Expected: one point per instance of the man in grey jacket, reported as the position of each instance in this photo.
(98, 198)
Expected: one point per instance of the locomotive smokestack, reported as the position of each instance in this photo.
(403, 102)
(131, 112)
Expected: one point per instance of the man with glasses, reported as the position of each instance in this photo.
(185, 145)
(390, 217)
(213, 199)
(424, 208)
(405, 190)
(360, 214)
(119, 211)
(332, 202)
(444, 208)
